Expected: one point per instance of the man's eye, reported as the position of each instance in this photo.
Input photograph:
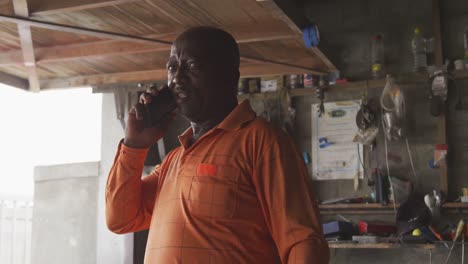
(172, 68)
(193, 66)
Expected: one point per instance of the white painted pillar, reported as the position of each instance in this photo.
(111, 248)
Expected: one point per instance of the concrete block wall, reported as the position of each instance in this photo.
(64, 216)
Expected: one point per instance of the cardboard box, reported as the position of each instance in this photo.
(271, 83)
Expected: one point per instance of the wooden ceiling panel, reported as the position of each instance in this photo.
(159, 17)
(116, 40)
(115, 64)
(9, 38)
(140, 19)
(6, 7)
(46, 37)
(19, 71)
(41, 7)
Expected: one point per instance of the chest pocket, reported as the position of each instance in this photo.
(214, 191)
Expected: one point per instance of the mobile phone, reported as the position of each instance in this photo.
(161, 105)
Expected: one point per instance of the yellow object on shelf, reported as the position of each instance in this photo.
(417, 232)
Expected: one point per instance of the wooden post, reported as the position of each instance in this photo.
(438, 53)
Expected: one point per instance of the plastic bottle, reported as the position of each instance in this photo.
(419, 51)
(377, 57)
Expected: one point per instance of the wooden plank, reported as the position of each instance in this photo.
(49, 7)
(94, 50)
(125, 77)
(256, 69)
(14, 81)
(438, 53)
(377, 206)
(278, 13)
(24, 31)
(80, 30)
(380, 245)
(356, 206)
(324, 59)
(114, 47)
(288, 65)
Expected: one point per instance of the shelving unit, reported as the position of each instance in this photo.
(412, 78)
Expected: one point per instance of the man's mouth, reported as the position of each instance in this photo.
(182, 96)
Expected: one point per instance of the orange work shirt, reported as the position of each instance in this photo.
(239, 194)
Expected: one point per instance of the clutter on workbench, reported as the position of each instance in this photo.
(376, 228)
(338, 230)
(434, 201)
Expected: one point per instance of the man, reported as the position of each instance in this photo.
(235, 191)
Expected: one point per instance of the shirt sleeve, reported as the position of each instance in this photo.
(129, 198)
(285, 193)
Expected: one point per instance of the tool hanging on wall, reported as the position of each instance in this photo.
(367, 120)
(393, 106)
(440, 82)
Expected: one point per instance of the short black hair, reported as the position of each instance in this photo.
(222, 45)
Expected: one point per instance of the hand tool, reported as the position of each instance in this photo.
(460, 227)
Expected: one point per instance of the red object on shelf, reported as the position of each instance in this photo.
(376, 228)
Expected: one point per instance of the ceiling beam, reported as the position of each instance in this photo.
(24, 31)
(14, 81)
(49, 7)
(247, 70)
(123, 77)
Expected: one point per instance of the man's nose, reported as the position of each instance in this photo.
(180, 77)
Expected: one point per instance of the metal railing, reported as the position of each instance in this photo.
(15, 230)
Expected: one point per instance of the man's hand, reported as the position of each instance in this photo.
(136, 135)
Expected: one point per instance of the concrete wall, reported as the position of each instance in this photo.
(64, 214)
(346, 28)
(111, 248)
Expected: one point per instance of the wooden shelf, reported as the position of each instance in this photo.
(380, 245)
(356, 206)
(412, 78)
(374, 208)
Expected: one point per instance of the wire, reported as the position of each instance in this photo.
(410, 158)
(388, 174)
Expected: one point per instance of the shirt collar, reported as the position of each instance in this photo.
(242, 114)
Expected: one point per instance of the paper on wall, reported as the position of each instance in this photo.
(337, 126)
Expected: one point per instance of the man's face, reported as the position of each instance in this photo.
(192, 77)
